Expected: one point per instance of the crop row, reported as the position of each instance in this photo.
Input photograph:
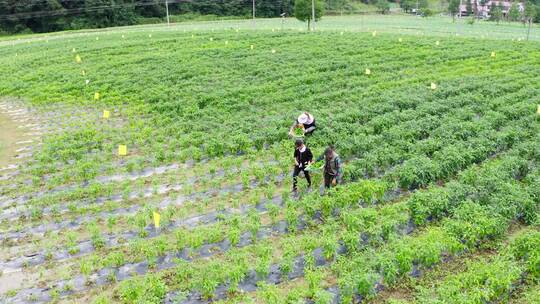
(169, 128)
(132, 168)
(398, 54)
(480, 217)
(292, 221)
(346, 200)
(524, 111)
(137, 217)
(493, 279)
(457, 168)
(169, 175)
(445, 155)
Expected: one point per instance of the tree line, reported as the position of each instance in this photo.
(18, 16)
(57, 15)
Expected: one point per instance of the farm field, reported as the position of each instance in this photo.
(439, 134)
(441, 26)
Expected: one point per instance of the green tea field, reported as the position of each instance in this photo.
(152, 164)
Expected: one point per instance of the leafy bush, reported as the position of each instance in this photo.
(149, 289)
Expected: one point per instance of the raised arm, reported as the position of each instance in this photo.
(309, 129)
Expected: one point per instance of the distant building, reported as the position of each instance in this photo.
(482, 8)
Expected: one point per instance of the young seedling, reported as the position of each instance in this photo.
(254, 223)
(273, 212)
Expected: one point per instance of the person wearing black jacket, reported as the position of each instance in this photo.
(302, 158)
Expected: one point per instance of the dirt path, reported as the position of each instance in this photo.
(9, 135)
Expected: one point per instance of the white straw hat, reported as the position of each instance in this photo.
(304, 118)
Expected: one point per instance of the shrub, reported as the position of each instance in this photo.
(150, 289)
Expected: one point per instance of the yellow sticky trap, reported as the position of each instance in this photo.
(96, 96)
(149, 35)
(492, 54)
(273, 51)
(122, 150)
(211, 39)
(341, 33)
(226, 41)
(192, 36)
(78, 59)
(400, 40)
(273, 30)
(73, 50)
(97, 38)
(83, 72)
(368, 72)
(433, 86)
(252, 46)
(538, 110)
(157, 218)
(437, 42)
(237, 30)
(106, 114)
(374, 33)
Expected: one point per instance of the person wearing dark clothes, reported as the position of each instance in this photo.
(333, 168)
(302, 158)
(305, 121)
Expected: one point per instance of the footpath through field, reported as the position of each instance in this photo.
(9, 134)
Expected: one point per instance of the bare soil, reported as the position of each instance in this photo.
(9, 135)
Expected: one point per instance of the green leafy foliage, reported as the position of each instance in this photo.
(150, 289)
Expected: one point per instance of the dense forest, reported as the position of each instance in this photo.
(17, 16)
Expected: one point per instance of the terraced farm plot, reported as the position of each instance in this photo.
(440, 143)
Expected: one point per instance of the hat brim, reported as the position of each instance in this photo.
(303, 119)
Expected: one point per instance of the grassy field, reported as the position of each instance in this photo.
(439, 134)
(398, 24)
